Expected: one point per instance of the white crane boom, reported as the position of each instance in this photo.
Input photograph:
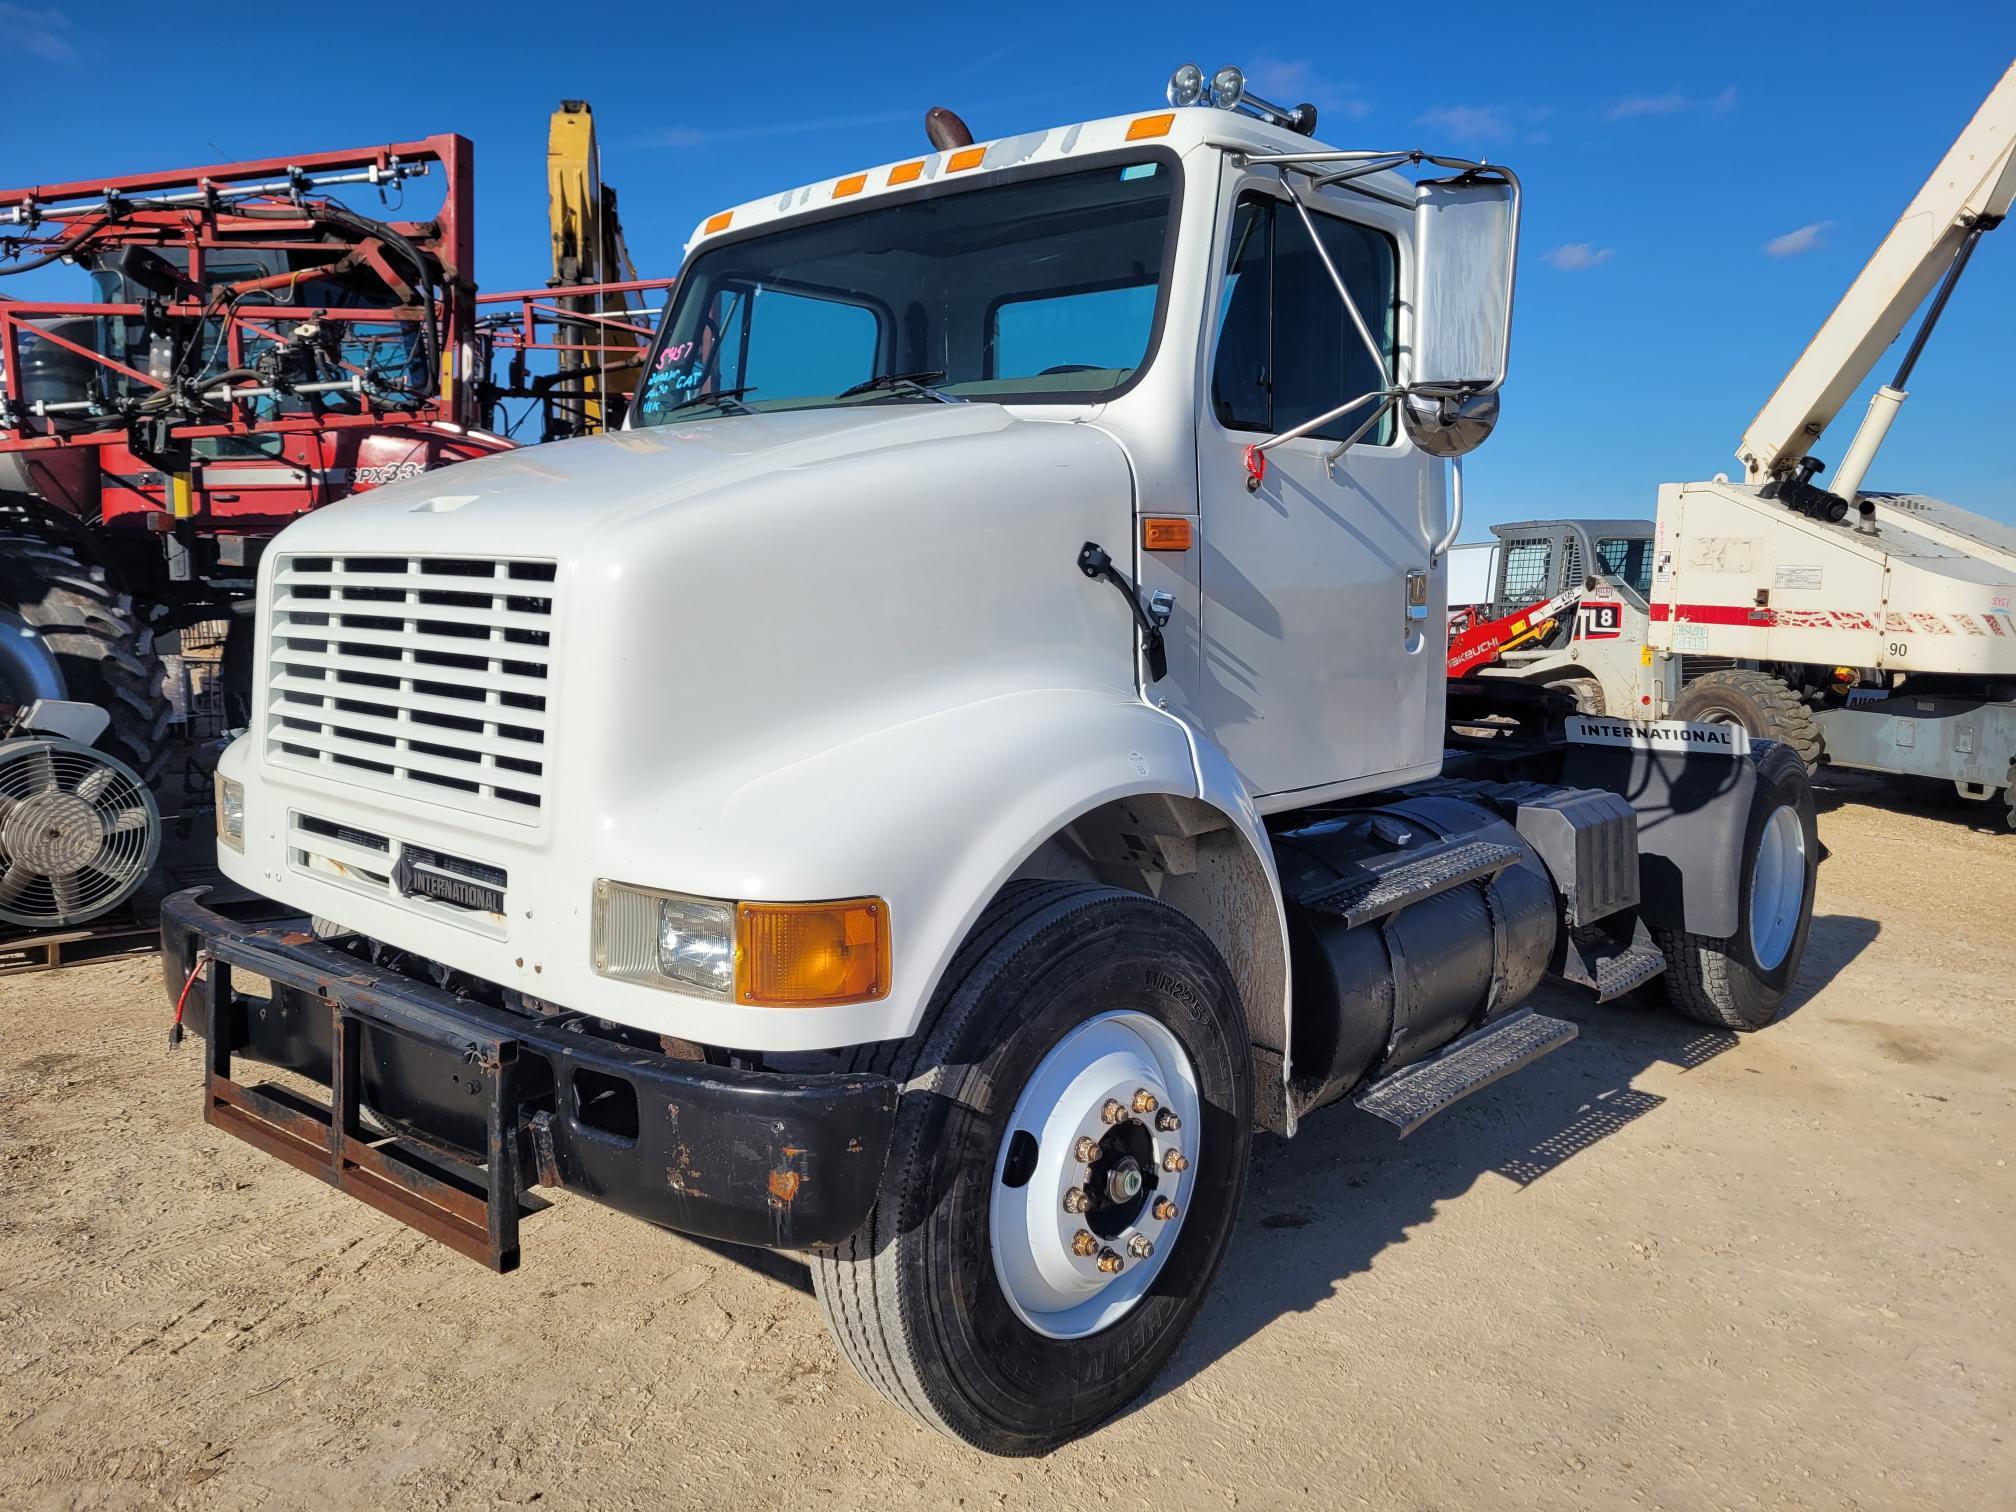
(1967, 193)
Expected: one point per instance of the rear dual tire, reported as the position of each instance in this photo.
(1741, 982)
(941, 1301)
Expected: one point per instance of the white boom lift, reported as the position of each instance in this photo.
(1869, 629)
(1967, 195)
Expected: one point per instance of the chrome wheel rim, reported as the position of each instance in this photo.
(1077, 1242)
(1777, 886)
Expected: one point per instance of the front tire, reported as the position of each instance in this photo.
(1741, 982)
(968, 1298)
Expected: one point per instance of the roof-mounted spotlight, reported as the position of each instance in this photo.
(1227, 90)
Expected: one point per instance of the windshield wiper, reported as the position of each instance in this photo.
(912, 383)
(728, 396)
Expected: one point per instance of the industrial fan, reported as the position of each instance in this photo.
(78, 832)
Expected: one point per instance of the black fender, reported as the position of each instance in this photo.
(1693, 809)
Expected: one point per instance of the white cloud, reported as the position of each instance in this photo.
(1577, 257)
(1807, 238)
(39, 33)
(1290, 81)
(1675, 102)
(1477, 123)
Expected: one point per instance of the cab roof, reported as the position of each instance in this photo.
(1178, 130)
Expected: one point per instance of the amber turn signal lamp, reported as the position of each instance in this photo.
(1159, 534)
(811, 955)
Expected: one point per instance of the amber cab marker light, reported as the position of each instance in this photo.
(854, 183)
(966, 157)
(1159, 534)
(718, 222)
(811, 955)
(1150, 126)
(907, 173)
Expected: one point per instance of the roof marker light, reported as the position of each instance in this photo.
(854, 183)
(1150, 126)
(717, 222)
(907, 173)
(970, 157)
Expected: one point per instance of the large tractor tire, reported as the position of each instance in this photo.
(1069, 1155)
(1759, 702)
(1741, 982)
(107, 656)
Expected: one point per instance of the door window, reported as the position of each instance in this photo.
(1287, 351)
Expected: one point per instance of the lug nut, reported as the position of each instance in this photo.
(1144, 1100)
(1174, 1161)
(1110, 1262)
(1112, 1112)
(1075, 1200)
(1087, 1149)
(1165, 1209)
(1083, 1244)
(1140, 1247)
(1167, 1121)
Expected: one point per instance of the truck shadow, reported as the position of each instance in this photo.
(1346, 1189)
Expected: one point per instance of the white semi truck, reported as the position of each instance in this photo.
(967, 755)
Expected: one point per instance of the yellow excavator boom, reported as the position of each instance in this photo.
(588, 248)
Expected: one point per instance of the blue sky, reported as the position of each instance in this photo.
(1702, 182)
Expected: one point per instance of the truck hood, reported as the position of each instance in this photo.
(728, 597)
(541, 499)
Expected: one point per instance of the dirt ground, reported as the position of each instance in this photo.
(1662, 1269)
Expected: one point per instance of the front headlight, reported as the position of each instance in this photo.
(767, 955)
(664, 939)
(231, 813)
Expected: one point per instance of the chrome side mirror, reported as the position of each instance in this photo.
(1466, 252)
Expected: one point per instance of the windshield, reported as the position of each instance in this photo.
(1042, 288)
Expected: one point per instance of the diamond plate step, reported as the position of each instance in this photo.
(1609, 967)
(1407, 1099)
(1383, 887)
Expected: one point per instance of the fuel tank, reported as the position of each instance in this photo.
(1373, 996)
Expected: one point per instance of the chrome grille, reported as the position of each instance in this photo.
(425, 676)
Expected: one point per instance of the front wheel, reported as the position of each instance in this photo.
(1741, 982)
(1069, 1156)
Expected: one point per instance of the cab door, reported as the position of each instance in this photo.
(1314, 673)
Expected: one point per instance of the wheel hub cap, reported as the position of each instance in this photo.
(1077, 1242)
(1777, 886)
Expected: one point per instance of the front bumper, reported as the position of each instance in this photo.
(485, 1102)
